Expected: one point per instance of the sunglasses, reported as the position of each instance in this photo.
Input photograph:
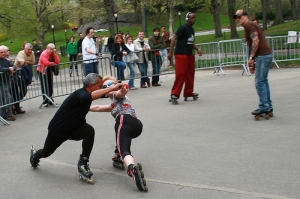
(107, 85)
(238, 17)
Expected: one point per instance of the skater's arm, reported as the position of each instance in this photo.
(172, 46)
(101, 108)
(199, 51)
(101, 92)
(122, 92)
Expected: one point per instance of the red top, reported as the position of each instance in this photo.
(44, 61)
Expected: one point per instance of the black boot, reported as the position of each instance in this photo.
(83, 167)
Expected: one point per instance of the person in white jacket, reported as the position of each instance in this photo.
(141, 45)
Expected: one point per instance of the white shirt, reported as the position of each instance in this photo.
(88, 43)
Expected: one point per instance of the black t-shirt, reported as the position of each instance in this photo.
(186, 39)
(71, 114)
(79, 46)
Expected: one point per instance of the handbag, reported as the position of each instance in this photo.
(130, 58)
(55, 69)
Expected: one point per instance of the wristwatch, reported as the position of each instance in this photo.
(251, 58)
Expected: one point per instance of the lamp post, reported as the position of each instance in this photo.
(179, 16)
(52, 27)
(116, 20)
(66, 34)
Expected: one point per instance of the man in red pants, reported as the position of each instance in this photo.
(184, 58)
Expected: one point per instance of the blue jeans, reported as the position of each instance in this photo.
(132, 74)
(262, 67)
(90, 68)
(27, 74)
(156, 63)
(120, 69)
(143, 67)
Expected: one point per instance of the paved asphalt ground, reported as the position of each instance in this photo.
(209, 148)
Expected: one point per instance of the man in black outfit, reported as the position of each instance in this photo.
(79, 44)
(69, 122)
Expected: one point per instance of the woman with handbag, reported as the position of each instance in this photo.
(48, 61)
(118, 51)
(130, 61)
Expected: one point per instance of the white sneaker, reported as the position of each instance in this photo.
(133, 88)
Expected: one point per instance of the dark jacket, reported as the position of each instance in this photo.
(156, 42)
(116, 51)
(4, 71)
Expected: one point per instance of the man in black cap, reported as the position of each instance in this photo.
(261, 52)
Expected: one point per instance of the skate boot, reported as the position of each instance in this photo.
(76, 71)
(118, 161)
(34, 162)
(135, 171)
(70, 71)
(174, 99)
(84, 170)
(260, 113)
(194, 96)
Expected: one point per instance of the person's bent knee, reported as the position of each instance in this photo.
(89, 131)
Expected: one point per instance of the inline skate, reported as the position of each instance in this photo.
(34, 162)
(135, 171)
(84, 171)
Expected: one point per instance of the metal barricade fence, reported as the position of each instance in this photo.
(14, 89)
(284, 49)
(215, 55)
(65, 82)
(46, 85)
(210, 56)
(232, 53)
(164, 66)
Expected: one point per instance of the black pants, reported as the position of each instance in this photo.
(18, 89)
(73, 57)
(84, 132)
(46, 84)
(126, 128)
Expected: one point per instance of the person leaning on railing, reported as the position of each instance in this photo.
(6, 70)
(24, 60)
(48, 58)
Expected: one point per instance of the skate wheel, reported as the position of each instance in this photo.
(185, 99)
(267, 116)
(256, 117)
(92, 181)
(146, 189)
(140, 166)
(271, 114)
(144, 181)
(142, 173)
(170, 100)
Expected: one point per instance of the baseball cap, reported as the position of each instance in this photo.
(240, 13)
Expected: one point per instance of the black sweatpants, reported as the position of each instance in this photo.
(84, 132)
(47, 84)
(126, 128)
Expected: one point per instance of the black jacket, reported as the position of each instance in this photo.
(4, 71)
(116, 51)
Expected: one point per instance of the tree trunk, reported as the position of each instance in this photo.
(109, 8)
(216, 16)
(231, 12)
(298, 9)
(294, 9)
(264, 9)
(278, 13)
(244, 3)
(171, 20)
